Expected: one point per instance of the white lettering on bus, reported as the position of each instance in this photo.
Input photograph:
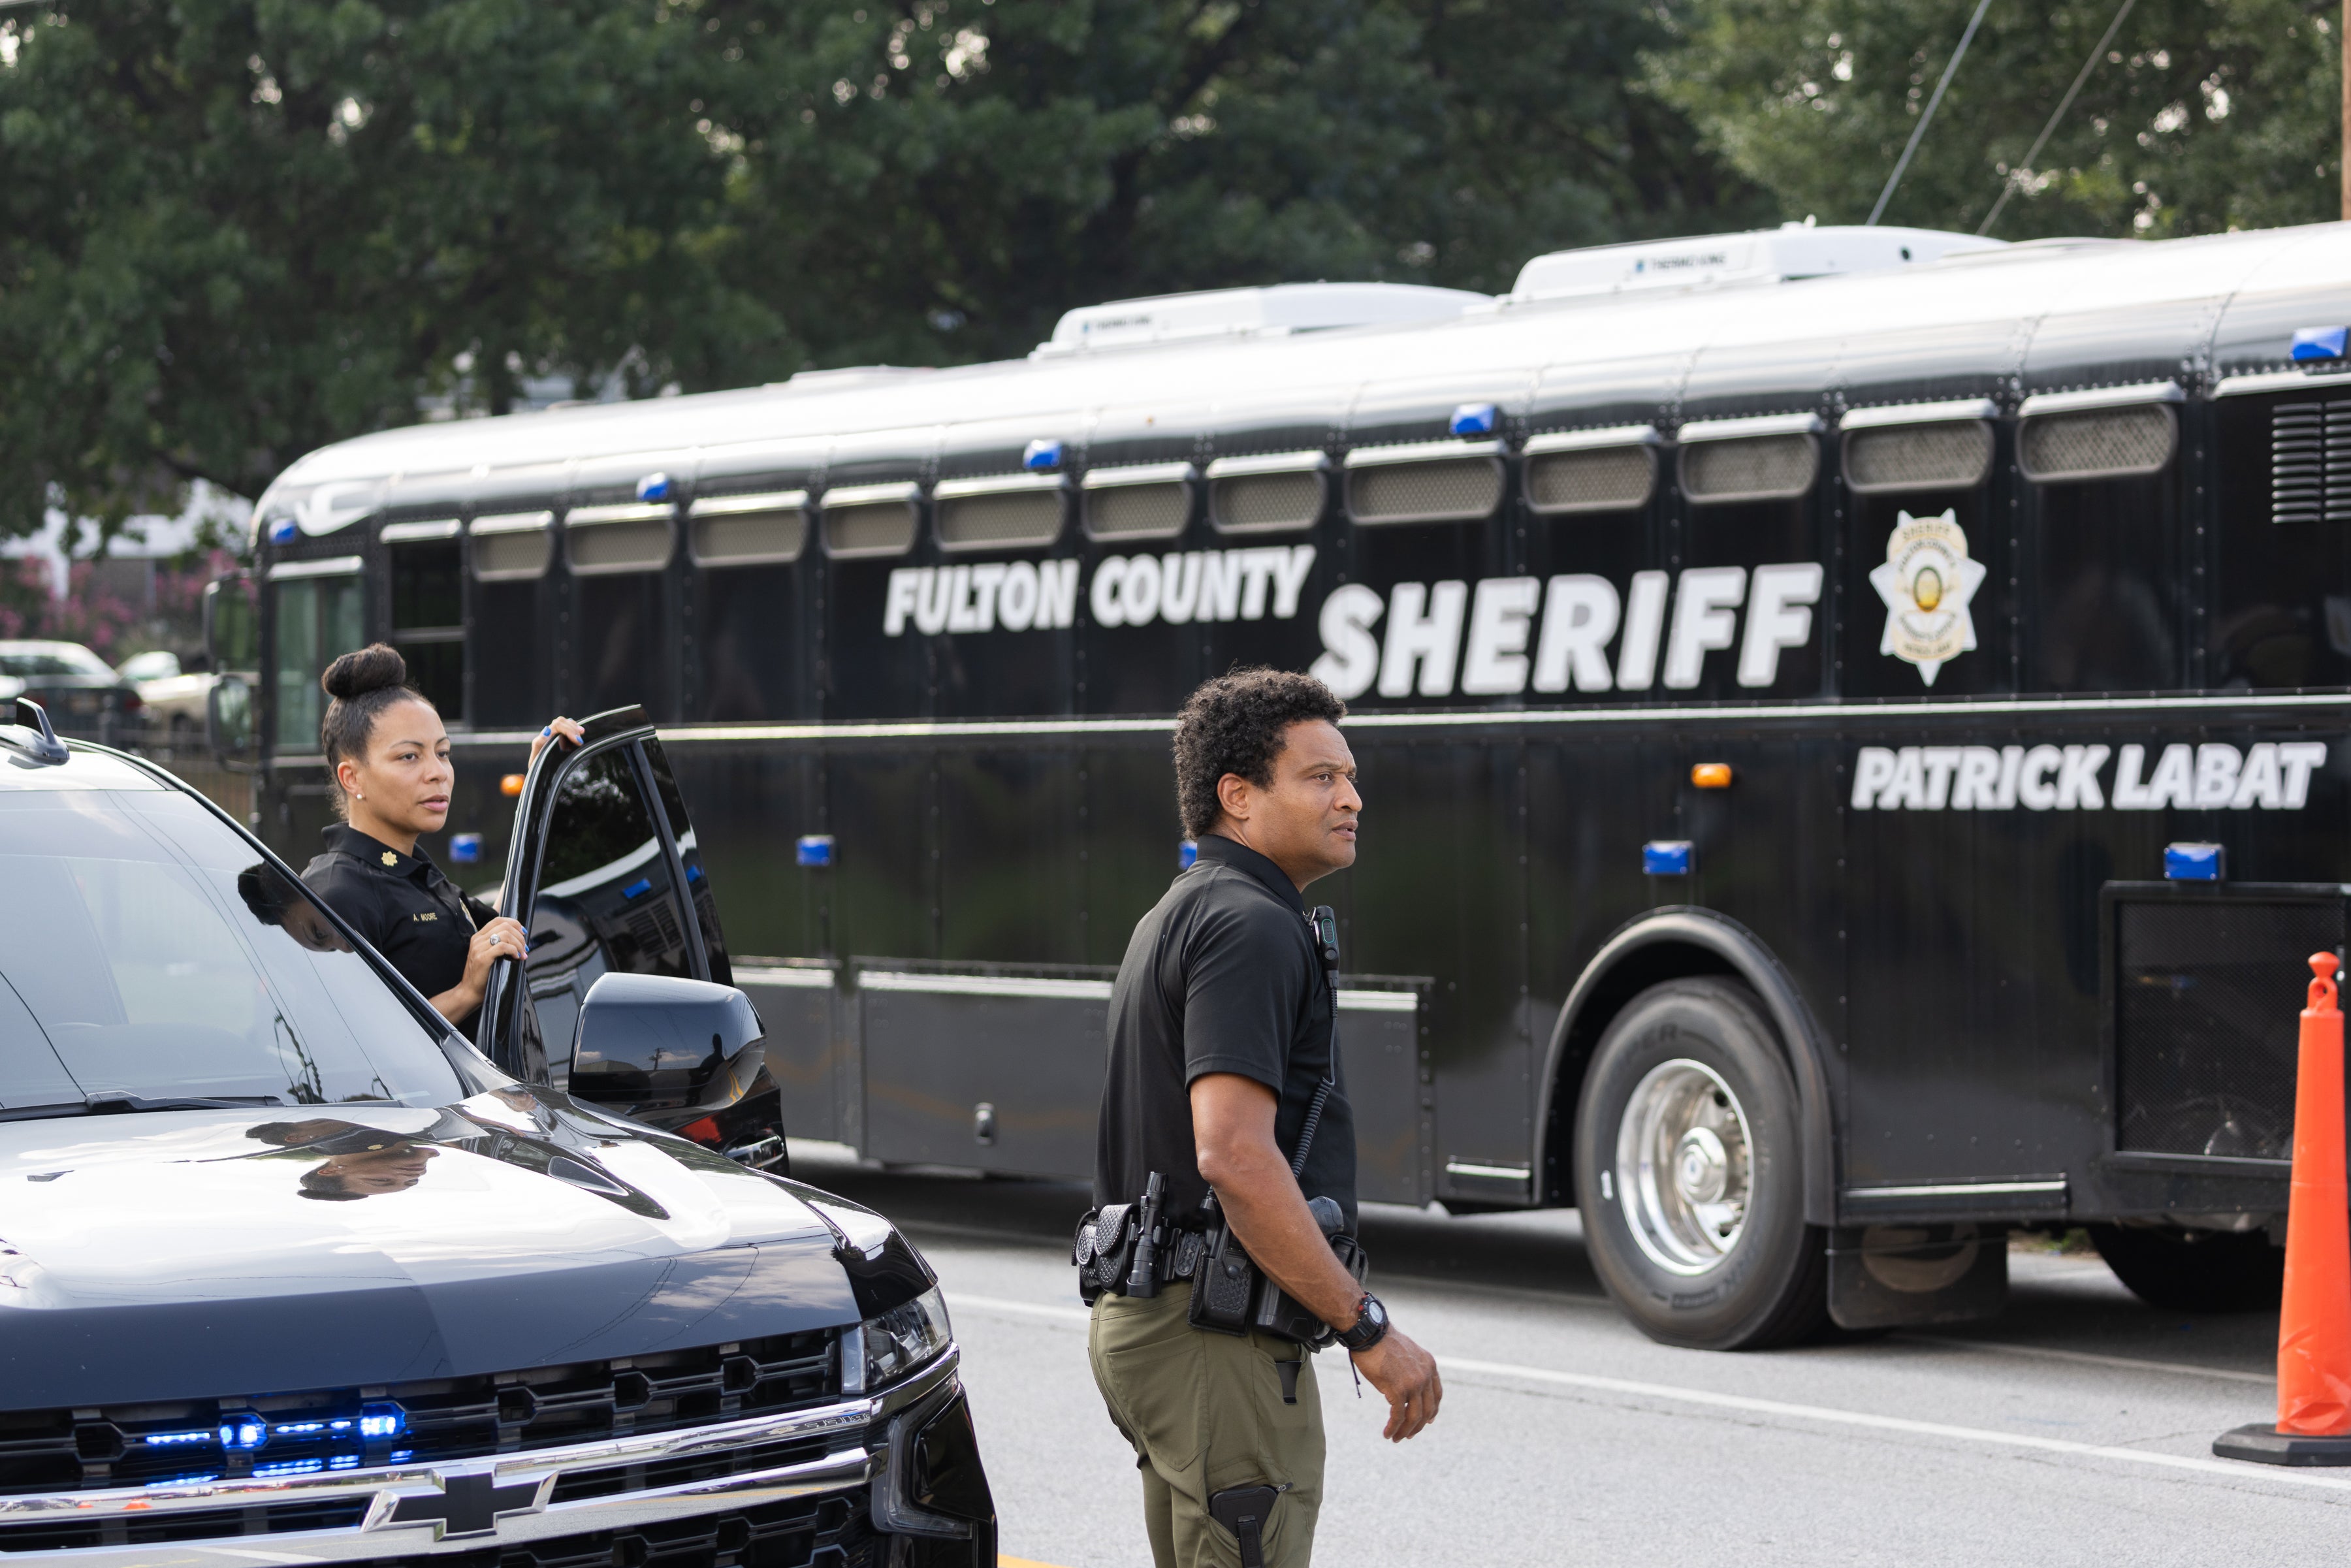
(1200, 586)
(2213, 776)
(1015, 595)
(1423, 643)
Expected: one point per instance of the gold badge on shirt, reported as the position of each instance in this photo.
(389, 858)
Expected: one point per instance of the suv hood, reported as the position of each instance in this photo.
(188, 1254)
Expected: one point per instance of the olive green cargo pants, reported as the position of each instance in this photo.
(1204, 1412)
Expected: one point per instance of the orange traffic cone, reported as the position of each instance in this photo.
(2314, 1424)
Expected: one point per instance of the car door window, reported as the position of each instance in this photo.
(606, 900)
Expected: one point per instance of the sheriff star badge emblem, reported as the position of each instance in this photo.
(1928, 581)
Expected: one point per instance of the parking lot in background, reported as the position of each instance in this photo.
(2074, 1429)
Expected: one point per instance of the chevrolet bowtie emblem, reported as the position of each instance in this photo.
(470, 1502)
(390, 859)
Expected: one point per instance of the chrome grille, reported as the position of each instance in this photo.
(1455, 490)
(1138, 511)
(2097, 444)
(871, 528)
(1749, 468)
(2310, 462)
(1013, 518)
(1266, 503)
(1608, 479)
(1918, 456)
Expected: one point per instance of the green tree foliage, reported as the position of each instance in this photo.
(2203, 115)
(232, 230)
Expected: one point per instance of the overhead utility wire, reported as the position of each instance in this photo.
(2015, 175)
(1918, 131)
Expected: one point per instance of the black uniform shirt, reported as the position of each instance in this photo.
(402, 903)
(1221, 976)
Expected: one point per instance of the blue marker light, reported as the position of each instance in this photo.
(2193, 862)
(1186, 852)
(243, 1432)
(814, 849)
(653, 487)
(694, 873)
(1043, 457)
(1668, 857)
(465, 849)
(1473, 419)
(383, 1421)
(2318, 343)
(282, 531)
(638, 888)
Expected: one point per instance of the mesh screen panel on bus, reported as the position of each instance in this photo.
(1265, 503)
(2310, 462)
(505, 556)
(2205, 994)
(2097, 444)
(1131, 511)
(640, 545)
(1447, 490)
(872, 528)
(1918, 456)
(1610, 479)
(1013, 518)
(1751, 468)
(749, 538)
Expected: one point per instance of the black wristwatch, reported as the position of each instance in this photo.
(1371, 1325)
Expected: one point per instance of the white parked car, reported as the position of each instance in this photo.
(173, 699)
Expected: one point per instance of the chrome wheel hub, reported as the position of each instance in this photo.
(1684, 1169)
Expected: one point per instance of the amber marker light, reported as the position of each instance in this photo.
(1711, 775)
(511, 785)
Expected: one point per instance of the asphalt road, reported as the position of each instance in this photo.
(2074, 1429)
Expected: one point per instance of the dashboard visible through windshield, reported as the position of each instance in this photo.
(147, 953)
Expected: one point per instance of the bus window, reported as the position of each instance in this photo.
(428, 608)
(2104, 558)
(512, 618)
(318, 616)
(1279, 494)
(1138, 501)
(1573, 472)
(871, 520)
(2280, 557)
(1925, 573)
(1750, 544)
(1431, 482)
(1015, 511)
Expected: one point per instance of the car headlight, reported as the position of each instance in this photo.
(894, 1343)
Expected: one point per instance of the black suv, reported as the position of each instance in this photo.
(291, 1273)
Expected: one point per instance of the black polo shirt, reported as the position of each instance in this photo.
(1220, 976)
(402, 903)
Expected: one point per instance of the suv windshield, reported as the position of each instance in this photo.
(147, 950)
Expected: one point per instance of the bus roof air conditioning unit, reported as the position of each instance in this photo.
(1275, 312)
(1782, 254)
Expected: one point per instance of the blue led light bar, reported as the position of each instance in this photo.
(1668, 857)
(1043, 457)
(2193, 862)
(291, 1467)
(2318, 343)
(383, 1421)
(173, 1440)
(1473, 419)
(653, 487)
(243, 1432)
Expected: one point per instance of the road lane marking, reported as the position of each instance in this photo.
(1004, 1562)
(1715, 1399)
(2092, 1358)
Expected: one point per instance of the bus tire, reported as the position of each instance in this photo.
(1689, 1171)
(2194, 1271)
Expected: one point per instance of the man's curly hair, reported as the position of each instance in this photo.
(1235, 724)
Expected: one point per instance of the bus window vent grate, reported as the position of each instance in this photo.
(745, 538)
(1612, 479)
(1919, 457)
(874, 528)
(2098, 444)
(1138, 511)
(2206, 998)
(1002, 521)
(2310, 462)
(1266, 503)
(1459, 490)
(1757, 468)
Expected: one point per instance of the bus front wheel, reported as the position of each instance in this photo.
(2194, 1271)
(1690, 1176)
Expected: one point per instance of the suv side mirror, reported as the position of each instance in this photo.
(228, 718)
(666, 1050)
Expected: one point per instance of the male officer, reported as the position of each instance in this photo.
(1219, 1035)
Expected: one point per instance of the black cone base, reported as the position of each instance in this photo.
(2268, 1445)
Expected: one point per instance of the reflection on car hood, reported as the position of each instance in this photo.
(192, 1254)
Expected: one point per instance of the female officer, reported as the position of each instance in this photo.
(390, 759)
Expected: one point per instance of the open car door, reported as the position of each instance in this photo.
(605, 874)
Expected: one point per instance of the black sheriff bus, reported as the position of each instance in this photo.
(1852, 725)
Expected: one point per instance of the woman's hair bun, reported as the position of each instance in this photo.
(372, 669)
